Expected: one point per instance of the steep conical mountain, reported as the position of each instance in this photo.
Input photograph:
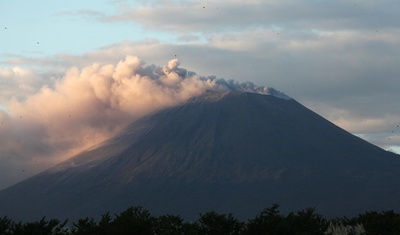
(228, 152)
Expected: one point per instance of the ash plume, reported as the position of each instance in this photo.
(91, 104)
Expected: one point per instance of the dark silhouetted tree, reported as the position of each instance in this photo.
(168, 225)
(85, 227)
(42, 227)
(105, 224)
(214, 223)
(5, 226)
(306, 222)
(135, 220)
(269, 221)
(190, 228)
(387, 222)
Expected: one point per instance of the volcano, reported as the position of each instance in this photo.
(233, 152)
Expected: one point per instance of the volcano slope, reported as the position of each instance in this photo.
(227, 152)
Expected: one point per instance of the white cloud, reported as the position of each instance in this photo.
(18, 83)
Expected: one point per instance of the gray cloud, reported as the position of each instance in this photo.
(217, 16)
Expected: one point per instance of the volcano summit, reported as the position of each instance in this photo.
(232, 151)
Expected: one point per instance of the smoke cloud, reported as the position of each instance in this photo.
(91, 104)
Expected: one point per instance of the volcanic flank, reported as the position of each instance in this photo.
(232, 151)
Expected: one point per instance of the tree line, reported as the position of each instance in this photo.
(137, 220)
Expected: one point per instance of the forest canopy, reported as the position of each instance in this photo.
(137, 220)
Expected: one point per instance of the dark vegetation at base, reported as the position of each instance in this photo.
(136, 220)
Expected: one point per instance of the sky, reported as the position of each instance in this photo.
(73, 73)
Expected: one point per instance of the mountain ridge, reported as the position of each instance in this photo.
(231, 152)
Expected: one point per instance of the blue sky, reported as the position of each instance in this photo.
(338, 58)
(59, 27)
